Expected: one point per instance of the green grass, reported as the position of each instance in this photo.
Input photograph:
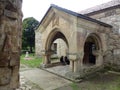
(74, 86)
(35, 62)
(103, 81)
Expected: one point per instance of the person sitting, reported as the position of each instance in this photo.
(67, 60)
(62, 60)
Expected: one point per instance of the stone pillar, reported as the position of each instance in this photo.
(75, 66)
(72, 65)
(99, 57)
(46, 57)
(73, 62)
(10, 43)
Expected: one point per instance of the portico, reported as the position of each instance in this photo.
(83, 36)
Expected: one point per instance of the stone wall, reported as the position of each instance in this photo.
(61, 47)
(38, 45)
(112, 17)
(10, 43)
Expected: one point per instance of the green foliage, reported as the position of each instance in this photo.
(74, 86)
(28, 32)
(35, 62)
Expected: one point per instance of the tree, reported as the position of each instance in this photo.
(28, 38)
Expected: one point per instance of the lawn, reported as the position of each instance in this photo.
(33, 62)
(102, 81)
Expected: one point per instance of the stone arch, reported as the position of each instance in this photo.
(53, 35)
(92, 50)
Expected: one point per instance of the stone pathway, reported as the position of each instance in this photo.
(60, 70)
(37, 79)
(26, 84)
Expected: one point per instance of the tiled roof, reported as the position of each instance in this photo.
(113, 3)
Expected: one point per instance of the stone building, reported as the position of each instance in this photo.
(10, 43)
(92, 37)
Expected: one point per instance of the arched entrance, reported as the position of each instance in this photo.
(56, 46)
(91, 47)
(59, 47)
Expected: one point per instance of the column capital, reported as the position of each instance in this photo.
(47, 52)
(96, 52)
(73, 56)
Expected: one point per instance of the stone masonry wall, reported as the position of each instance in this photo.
(10, 43)
(112, 17)
(38, 45)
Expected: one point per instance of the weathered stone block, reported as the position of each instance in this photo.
(2, 39)
(15, 43)
(5, 87)
(14, 59)
(4, 59)
(10, 14)
(10, 42)
(5, 76)
(72, 57)
(14, 77)
(118, 11)
(1, 8)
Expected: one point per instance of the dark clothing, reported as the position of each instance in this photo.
(67, 60)
(61, 60)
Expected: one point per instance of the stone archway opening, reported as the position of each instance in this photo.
(91, 46)
(57, 46)
(59, 49)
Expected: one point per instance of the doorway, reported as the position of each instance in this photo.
(89, 47)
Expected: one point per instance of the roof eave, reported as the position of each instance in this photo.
(74, 14)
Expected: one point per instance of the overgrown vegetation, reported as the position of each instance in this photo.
(33, 62)
(75, 86)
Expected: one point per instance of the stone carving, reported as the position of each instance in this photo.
(10, 43)
(55, 21)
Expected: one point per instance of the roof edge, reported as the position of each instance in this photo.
(105, 9)
(101, 7)
(74, 14)
(81, 15)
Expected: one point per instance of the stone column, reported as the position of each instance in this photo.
(75, 66)
(99, 57)
(46, 57)
(73, 62)
(72, 65)
(10, 43)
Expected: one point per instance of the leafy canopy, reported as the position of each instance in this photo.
(28, 39)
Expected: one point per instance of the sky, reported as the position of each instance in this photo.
(38, 8)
